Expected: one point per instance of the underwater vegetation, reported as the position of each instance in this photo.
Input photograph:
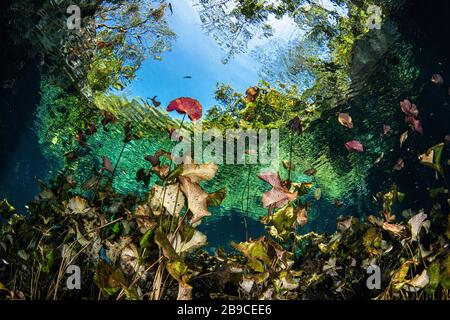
(357, 207)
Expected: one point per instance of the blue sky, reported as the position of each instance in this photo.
(195, 54)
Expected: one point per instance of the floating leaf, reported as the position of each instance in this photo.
(346, 120)
(188, 106)
(354, 146)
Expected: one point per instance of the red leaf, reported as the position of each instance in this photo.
(409, 109)
(355, 146)
(279, 195)
(386, 129)
(271, 178)
(415, 124)
(107, 165)
(399, 165)
(190, 106)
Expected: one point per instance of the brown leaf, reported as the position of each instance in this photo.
(346, 120)
(199, 172)
(403, 138)
(174, 200)
(394, 228)
(302, 216)
(197, 200)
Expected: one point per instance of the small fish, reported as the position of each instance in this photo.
(187, 77)
(170, 8)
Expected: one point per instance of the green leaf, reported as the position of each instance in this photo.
(145, 240)
(445, 273)
(432, 158)
(178, 270)
(116, 228)
(433, 274)
(216, 198)
(255, 252)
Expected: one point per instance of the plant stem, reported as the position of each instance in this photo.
(290, 155)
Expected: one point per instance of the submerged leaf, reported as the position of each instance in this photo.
(295, 125)
(279, 195)
(197, 199)
(403, 138)
(399, 165)
(437, 79)
(174, 200)
(302, 216)
(198, 240)
(416, 223)
(199, 172)
(432, 158)
(255, 252)
(317, 194)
